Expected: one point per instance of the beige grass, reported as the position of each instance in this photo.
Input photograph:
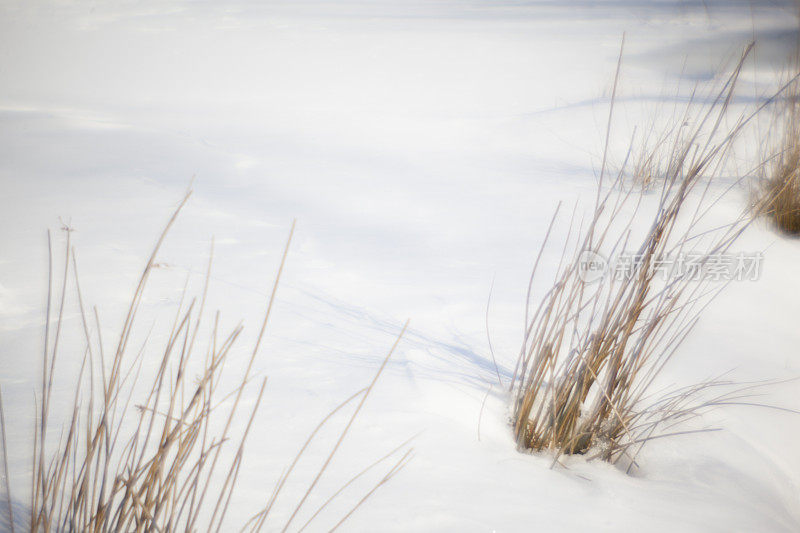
(592, 351)
(779, 195)
(173, 468)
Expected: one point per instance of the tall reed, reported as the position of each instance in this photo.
(161, 453)
(593, 348)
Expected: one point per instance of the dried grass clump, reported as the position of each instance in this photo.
(148, 455)
(779, 196)
(656, 153)
(583, 382)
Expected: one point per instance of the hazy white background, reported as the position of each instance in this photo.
(422, 148)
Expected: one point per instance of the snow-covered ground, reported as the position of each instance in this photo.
(422, 148)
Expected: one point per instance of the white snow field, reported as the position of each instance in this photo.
(422, 147)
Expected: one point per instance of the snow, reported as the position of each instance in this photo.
(422, 148)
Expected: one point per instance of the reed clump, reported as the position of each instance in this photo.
(779, 194)
(594, 346)
(161, 453)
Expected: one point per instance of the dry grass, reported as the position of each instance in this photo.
(592, 351)
(148, 456)
(779, 196)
